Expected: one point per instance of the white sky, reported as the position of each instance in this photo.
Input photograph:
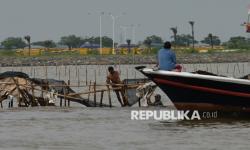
(51, 19)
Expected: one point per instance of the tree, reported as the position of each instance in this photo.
(153, 39)
(211, 40)
(13, 42)
(238, 42)
(71, 41)
(184, 40)
(46, 43)
(106, 41)
(129, 42)
(174, 30)
(192, 27)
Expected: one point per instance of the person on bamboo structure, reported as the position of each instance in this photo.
(113, 78)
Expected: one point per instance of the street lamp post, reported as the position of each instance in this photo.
(113, 29)
(124, 29)
(102, 13)
(133, 32)
(100, 29)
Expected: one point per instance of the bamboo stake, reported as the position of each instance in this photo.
(56, 69)
(89, 91)
(60, 101)
(69, 73)
(127, 72)
(33, 93)
(34, 74)
(109, 97)
(86, 75)
(78, 77)
(65, 70)
(68, 92)
(99, 71)
(46, 72)
(30, 71)
(95, 76)
(101, 98)
(217, 66)
(95, 94)
(59, 73)
(64, 94)
(228, 68)
(76, 69)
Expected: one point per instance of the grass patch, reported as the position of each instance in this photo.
(7, 52)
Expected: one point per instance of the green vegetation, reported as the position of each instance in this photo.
(13, 43)
(238, 42)
(211, 40)
(153, 39)
(73, 41)
(184, 40)
(47, 43)
(7, 52)
(181, 44)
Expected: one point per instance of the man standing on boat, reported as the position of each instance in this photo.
(114, 79)
(166, 58)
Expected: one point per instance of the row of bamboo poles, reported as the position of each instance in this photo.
(74, 70)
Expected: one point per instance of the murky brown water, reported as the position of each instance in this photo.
(96, 129)
(104, 128)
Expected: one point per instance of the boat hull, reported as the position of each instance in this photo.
(203, 94)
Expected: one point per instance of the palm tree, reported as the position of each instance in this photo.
(210, 35)
(27, 38)
(192, 26)
(128, 42)
(174, 30)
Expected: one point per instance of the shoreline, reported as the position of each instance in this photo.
(182, 58)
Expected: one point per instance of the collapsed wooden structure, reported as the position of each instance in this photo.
(29, 92)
